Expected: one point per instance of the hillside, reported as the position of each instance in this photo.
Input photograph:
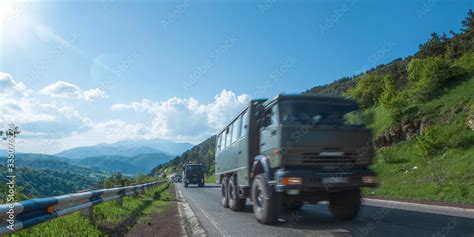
(42, 176)
(421, 111)
(142, 163)
(126, 148)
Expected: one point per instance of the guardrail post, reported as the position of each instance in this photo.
(88, 213)
(120, 201)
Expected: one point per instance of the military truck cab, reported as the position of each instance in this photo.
(292, 150)
(193, 173)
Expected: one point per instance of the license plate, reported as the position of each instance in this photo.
(335, 180)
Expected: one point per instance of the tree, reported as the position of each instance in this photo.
(426, 76)
(433, 47)
(368, 89)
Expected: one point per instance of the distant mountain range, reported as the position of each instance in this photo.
(82, 167)
(142, 163)
(128, 148)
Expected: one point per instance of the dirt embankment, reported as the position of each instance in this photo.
(165, 222)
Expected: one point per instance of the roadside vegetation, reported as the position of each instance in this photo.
(421, 111)
(108, 218)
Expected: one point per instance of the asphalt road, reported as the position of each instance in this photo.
(316, 220)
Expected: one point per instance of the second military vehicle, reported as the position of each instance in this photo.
(193, 173)
(291, 150)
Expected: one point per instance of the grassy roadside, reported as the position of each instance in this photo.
(107, 216)
(446, 174)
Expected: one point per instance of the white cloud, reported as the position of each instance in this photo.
(10, 87)
(188, 119)
(62, 89)
(68, 90)
(35, 117)
(92, 94)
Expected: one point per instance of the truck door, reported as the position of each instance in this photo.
(270, 137)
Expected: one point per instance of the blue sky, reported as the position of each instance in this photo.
(84, 72)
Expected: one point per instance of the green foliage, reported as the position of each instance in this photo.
(133, 207)
(72, 225)
(427, 76)
(368, 89)
(117, 179)
(435, 46)
(431, 144)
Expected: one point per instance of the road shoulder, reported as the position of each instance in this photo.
(164, 220)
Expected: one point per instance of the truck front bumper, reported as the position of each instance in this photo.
(288, 180)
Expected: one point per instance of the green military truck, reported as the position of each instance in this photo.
(295, 149)
(193, 173)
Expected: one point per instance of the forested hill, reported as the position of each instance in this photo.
(203, 153)
(421, 111)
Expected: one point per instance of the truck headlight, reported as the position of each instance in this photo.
(291, 180)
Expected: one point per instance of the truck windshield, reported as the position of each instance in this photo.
(314, 112)
(193, 169)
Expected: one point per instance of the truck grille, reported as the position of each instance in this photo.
(325, 158)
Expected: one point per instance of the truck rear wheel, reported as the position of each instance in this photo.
(235, 203)
(224, 186)
(345, 205)
(265, 208)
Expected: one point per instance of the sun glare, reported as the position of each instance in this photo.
(14, 19)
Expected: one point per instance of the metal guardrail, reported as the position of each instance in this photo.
(25, 214)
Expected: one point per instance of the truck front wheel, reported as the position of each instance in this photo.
(345, 205)
(265, 207)
(224, 186)
(235, 203)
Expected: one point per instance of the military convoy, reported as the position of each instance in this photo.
(193, 173)
(292, 150)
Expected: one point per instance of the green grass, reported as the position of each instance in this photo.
(378, 119)
(112, 213)
(404, 174)
(159, 204)
(210, 179)
(71, 225)
(109, 213)
(447, 176)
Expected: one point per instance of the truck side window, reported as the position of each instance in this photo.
(235, 129)
(244, 125)
(219, 142)
(274, 114)
(224, 137)
(228, 136)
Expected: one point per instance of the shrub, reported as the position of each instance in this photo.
(368, 90)
(426, 76)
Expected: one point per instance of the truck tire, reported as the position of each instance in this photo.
(345, 205)
(265, 208)
(185, 185)
(224, 186)
(201, 185)
(235, 203)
